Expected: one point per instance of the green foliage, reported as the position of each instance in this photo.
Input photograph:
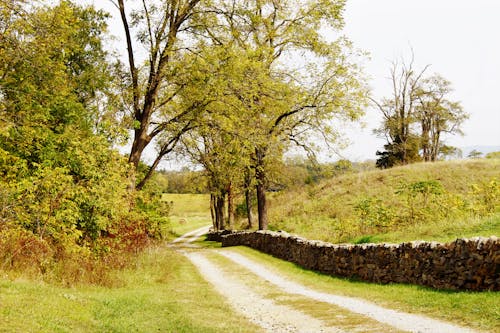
(184, 181)
(156, 210)
(495, 154)
(421, 200)
(486, 196)
(65, 195)
(399, 153)
(373, 214)
(475, 154)
(446, 151)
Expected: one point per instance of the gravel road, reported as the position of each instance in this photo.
(273, 317)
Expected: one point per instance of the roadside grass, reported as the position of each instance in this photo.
(189, 212)
(162, 293)
(369, 206)
(477, 310)
(440, 231)
(329, 314)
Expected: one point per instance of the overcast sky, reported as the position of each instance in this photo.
(458, 38)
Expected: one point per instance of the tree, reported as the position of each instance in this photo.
(163, 29)
(475, 154)
(417, 101)
(437, 115)
(286, 104)
(217, 139)
(399, 113)
(450, 151)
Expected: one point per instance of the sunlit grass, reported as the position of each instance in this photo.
(162, 293)
(189, 212)
(327, 211)
(441, 231)
(188, 204)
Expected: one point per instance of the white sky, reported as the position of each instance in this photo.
(460, 39)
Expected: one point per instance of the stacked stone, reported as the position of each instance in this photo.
(466, 264)
(216, 236)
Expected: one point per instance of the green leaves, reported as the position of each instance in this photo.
(61, 179)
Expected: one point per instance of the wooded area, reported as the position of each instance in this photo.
(232, 86)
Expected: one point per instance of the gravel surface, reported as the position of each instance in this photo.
(191, 236)
(403, 321)
(263, 312)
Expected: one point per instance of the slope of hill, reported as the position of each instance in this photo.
(432, 201)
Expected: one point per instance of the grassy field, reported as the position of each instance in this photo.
(189, 211)
(162, 293)
(432, 201)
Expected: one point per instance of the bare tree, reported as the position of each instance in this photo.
(399, 112)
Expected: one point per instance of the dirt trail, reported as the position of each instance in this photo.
(403, 321)
(191, 236)
(274, 317)
(261, 311)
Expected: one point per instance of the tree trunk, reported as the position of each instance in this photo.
(248, 199)
(212, 211)
(220, 203)
(262, 206)
(260, 175)
(230, 206)
(435, 145)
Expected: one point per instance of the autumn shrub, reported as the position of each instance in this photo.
(486, 196)
(20, 249)
(374, 215)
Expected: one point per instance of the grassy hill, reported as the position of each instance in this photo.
(431, 201)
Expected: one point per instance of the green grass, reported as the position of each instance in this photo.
(189, 212)
(327, 211)
(476, 310)
(441, 231)
(162, 293)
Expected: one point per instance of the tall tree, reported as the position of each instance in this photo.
(437, 115)
(416, 116)
(399, 114)
(288, 102)
(162, 28)
(218, 140)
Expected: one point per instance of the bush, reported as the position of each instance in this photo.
(486, 197)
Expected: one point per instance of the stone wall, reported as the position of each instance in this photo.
(466, 264)
(216, 236)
